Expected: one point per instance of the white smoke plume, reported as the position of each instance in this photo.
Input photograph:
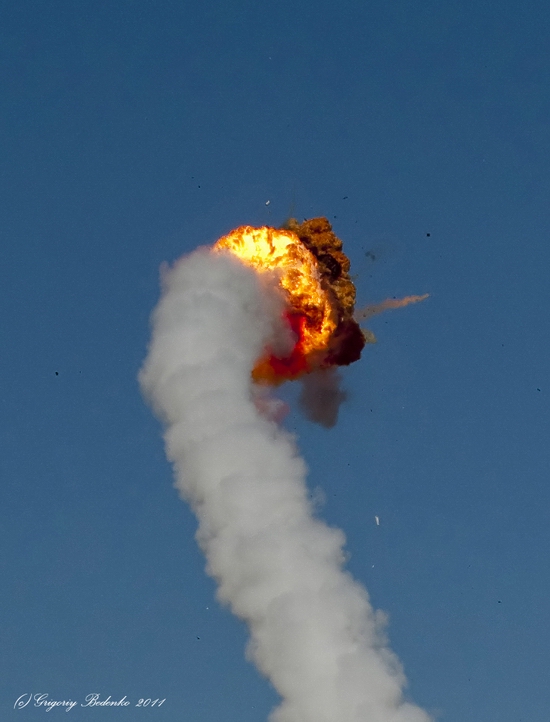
(313, 632)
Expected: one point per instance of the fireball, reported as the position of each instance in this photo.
(312, 273)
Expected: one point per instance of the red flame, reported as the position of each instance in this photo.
(274, 369)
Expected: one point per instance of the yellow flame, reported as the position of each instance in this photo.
(268, 249)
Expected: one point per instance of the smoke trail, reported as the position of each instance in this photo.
(313, 631)
(388, 304)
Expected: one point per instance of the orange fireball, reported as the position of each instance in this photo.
(313, 278)
(268, 249)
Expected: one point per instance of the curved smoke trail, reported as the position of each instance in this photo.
(313, 630)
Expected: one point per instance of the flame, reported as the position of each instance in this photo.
(311, 313)
(312, 272)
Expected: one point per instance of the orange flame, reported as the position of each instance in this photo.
(310, 314)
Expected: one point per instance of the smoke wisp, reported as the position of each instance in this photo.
(388, 305)
(313, 632)
(322, 396)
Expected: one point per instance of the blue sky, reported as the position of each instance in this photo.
(132, 132)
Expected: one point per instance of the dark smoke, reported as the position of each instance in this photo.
(322, 396)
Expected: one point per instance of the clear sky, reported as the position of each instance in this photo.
(132, 132)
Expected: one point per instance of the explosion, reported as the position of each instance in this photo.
(313, 275)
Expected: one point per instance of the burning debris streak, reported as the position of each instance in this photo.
(387, 305)
(313, 632)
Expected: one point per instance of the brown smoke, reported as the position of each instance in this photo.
(317, 235)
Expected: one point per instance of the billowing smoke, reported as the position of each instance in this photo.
(313, 632)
